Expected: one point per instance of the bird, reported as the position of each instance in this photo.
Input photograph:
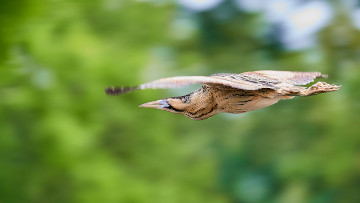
(231, 92)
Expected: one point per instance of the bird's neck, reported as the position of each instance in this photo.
(201, 104)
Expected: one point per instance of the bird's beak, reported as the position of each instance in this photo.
(159, 104)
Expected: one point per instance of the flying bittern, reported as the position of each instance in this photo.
(231, 93)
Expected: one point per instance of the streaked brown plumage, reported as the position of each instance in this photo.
(231, 93)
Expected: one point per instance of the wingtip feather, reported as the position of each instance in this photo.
(323, 76)
(112, 91)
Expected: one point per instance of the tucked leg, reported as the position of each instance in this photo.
(318, 88)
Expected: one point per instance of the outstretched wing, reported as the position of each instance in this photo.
(247, 81)
(270, 79)
(290, 77)
(175, 82)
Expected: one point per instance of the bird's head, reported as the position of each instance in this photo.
(194, 105)
(172, 104)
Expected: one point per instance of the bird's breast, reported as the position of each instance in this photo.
(244, 101)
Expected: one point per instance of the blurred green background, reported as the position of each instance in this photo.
(63, 140)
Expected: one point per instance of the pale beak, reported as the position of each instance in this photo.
(159, 104)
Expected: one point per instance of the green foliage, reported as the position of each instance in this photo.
(63, 140)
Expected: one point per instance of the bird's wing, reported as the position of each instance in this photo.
(269, 79)
(247, 81)
(290, 77)
(180, 81)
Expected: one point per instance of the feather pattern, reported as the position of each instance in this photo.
(247, 81)
(231, 93)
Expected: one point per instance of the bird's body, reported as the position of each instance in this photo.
(210, 100)
(232, 93)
